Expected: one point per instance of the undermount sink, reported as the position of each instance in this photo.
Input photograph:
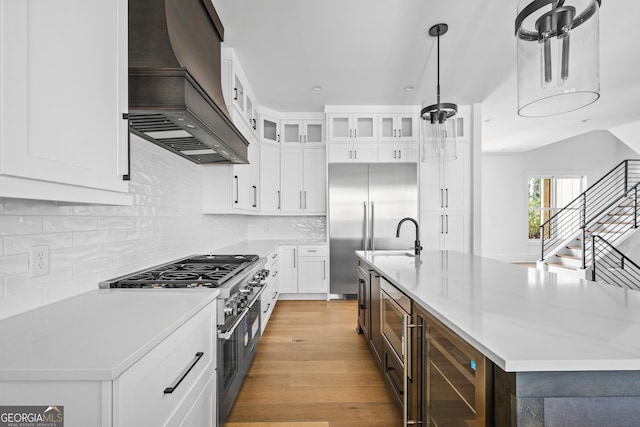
(393, 253)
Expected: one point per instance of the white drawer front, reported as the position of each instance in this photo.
(139, 393)
(304, 250)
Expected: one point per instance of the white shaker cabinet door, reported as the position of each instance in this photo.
(314, 179)
(63, 73)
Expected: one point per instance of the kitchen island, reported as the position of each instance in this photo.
(564, 351)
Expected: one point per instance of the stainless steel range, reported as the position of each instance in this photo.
(240, 279)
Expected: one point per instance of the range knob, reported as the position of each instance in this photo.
(244, 292)
(228, 311)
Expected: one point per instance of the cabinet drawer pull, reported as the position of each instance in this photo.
(267, 309)
(255, 124)
(235, 95)
(395, 133)
(170, 390)
(399, 154)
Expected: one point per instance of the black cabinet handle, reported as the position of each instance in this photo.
(127, 176)
(237, 188)
(235, 96)
(255, 124)
(255, 196)
(170, 390)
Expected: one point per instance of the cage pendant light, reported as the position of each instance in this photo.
(558, 55)
(439, 118)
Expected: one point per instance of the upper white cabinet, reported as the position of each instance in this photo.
(269, 128)
(303, 180)
(237, 92)
(63, 73)
(353, 153)
(357, 127)
(389, 152)
(397, 127)
(269, 178)
(302, 132)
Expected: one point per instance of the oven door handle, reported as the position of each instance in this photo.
(225, 335)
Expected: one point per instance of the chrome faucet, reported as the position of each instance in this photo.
(417, 247)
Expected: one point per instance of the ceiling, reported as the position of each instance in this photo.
(365, 52)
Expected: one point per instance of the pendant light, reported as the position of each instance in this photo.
(439, 118)
(558, 56)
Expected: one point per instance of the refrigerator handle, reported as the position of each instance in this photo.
(365, 222)
(373, 248)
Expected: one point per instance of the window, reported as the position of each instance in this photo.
(547, 195)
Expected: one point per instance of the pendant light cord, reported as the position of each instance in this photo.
(438, 87)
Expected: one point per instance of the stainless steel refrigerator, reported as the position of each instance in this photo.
(366, 203)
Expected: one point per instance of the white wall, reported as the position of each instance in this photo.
(89, 243)
(504, 187)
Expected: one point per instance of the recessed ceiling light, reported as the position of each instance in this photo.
(409, 88)
(316, 88)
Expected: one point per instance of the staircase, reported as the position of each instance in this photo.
(608, 210)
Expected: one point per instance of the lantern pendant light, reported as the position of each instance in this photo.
(439, 118)
(558, 56)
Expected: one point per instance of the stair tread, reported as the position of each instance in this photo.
(556, 264)
(569, 256)
(574, 247)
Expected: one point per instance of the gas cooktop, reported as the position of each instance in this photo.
(197, 271)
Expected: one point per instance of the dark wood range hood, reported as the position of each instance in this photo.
(175, 92)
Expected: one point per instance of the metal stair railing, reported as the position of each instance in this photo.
(612, 266)
(586, 209)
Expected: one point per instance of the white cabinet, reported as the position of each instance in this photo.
(303, 270)
(445, 230)
(288, 269)
(185, 361)
(447, 185)
(303, 180)
(63, 135)
(246, 181)
(269, 129)
(445, 202)
(352, 153)
(302, 132)
(269, 179)
(352, 127)
(312, 270)
(389, 152)
(272, 288)
(237, 92)
(394, 127)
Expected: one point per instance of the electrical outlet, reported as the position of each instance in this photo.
(38, 260)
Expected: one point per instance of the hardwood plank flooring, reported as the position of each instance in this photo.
(312, 369)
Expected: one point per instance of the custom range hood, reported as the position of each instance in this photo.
(175, 93)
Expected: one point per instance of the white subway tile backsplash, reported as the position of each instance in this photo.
(116, 222)
(18, 225)
(21, 244)
(31, 207)
(87, 238)
(14, 264)
(92, 210)
(96, 267)
(90, 243)
(57, 224)
(72, 255)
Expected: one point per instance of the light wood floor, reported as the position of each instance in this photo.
(312, 369)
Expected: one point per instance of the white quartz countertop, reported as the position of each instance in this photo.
(521, 318)
(93, 336)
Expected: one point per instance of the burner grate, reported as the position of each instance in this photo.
(209, 271)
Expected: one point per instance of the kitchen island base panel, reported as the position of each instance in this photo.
(550, 399)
